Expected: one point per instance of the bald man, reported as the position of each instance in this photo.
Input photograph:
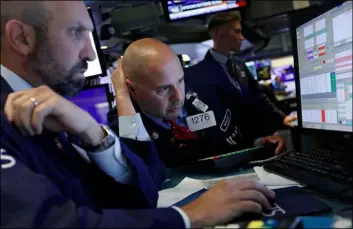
(184, 129)
(46, 181)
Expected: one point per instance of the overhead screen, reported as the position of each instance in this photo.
(324, 47)
(180, 9)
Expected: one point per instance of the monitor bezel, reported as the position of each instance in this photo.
(167, 15)
(294, 24)
(100, 55)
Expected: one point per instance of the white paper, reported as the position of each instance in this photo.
(211, 182)
(188, 186)
(185, 188)
(273, 180)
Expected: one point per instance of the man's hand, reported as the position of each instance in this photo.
(119, 81)
(41, 108)
(122, 93)
(227, 200)
(274, 139)
(288, 120)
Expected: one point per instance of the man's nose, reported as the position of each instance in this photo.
(241, 37)
(87, 53)
(176, 96)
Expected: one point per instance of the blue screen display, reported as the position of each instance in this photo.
(95, 102)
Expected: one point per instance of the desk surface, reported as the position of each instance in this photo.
(342, 208)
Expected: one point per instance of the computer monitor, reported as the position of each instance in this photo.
(96, 101)
(269, 68)
(182, 9)
(283, 67)
(252, 68)
(263, 69)
(323, 48)
(97, 67)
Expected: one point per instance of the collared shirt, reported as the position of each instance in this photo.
(221, 59)
(111, 161)
(180, 120)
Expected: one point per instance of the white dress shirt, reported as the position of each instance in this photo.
(111, 160)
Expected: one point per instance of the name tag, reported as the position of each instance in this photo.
(201, 121)
(199, 105)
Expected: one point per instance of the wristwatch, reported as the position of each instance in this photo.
(107, 142)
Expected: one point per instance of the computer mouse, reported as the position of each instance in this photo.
(254, 216)
(272, 201)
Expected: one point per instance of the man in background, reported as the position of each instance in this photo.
(184, 129)
(98, 180)
(223, 71)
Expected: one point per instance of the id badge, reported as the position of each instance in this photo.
(201, 121)
(199, 105)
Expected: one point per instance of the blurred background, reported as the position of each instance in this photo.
(182, 24)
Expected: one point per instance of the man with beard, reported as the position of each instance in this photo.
(184, 129)
(48, 182)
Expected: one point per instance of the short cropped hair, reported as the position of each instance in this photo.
(31, 12)
(222, 18)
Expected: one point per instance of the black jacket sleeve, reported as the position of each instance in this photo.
(30, 200)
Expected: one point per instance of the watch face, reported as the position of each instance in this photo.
(107, 142)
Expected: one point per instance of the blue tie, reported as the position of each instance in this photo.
(233, 73)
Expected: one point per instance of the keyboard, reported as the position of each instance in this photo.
(322, 170)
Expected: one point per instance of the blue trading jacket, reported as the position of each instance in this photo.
(259, 115)
(45, 185)
(226, 136)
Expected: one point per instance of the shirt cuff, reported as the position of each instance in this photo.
(184, 216)
(132, 127)
(111, 161)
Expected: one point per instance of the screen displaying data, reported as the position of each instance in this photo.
(325, 70)
(178, 9)
(269, 69)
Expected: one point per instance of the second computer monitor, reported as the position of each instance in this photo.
(324, 52)
(97, 67)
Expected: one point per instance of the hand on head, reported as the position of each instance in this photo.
(119, 81)
(154, 77)
(227, 200)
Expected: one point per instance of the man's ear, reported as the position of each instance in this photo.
(20, 37)
(221, 32)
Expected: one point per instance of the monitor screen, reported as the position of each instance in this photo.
(324, 47)
(94, 100)
(263, 69)
(96, 67)
(252, 68)
(284, 68)
(179, 9)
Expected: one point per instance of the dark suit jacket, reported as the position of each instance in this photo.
(49, 186)
(213, 141)
(259, 113)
